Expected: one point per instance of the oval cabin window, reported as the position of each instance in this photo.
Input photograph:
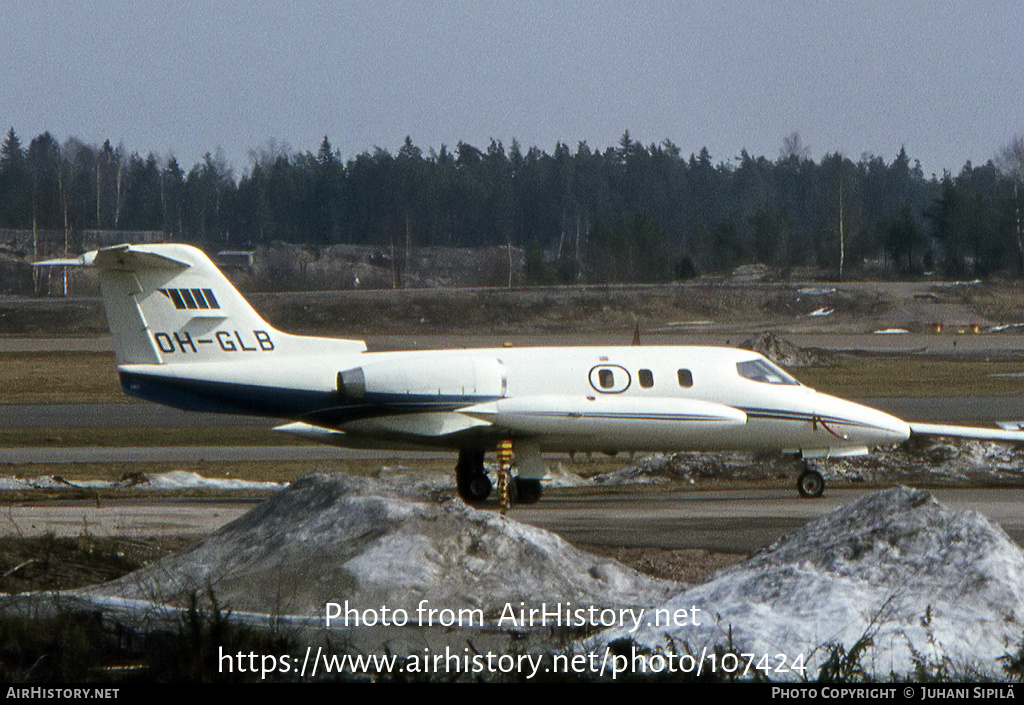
(609, 379)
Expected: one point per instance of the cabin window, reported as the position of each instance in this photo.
(646, 378)
(685, 378)
(609, 379)
(761, 370)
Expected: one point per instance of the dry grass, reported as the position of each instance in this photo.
(870, 376)
(688, 565)
(52, 563)
(59, 378)
(144, 437)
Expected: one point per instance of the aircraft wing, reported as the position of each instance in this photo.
(400, 429)
(617, 421)
(329, 436)
(975, 432)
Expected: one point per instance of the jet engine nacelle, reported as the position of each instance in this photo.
(409, 378)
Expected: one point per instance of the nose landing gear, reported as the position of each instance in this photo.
(809, 483)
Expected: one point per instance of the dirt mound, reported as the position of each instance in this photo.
(784, 353)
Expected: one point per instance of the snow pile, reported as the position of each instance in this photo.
(927, 459)
(897, 571)
(173, 480)
(659, 468)
(182, 479)
(335, 538)
(924, 459)
(559, 475)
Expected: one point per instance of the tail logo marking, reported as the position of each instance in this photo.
(228, 341)
(191, 298)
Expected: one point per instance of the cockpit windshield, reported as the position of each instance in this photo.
(761, 370)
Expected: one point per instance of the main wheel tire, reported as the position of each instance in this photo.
(528, 491)
(479, 488)
(470, 479)
(810, 484)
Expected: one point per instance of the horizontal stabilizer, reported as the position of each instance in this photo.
(129, 258)
(978, 433)
(69, 262)
(132, 258)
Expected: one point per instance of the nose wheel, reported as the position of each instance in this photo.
(809, 483)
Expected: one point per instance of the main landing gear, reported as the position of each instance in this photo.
(527, 491)
(474, 486)
(809, 483)
(470, 479)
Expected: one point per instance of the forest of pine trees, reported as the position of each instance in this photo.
(629, 213)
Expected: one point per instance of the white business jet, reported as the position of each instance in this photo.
(184, 336)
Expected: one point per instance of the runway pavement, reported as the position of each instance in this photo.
(117, 415)
(737, 521)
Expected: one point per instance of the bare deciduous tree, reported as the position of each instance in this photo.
(1011, 162)
(793, 147)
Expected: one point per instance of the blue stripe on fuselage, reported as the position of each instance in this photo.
(323, 408)
(224, 397)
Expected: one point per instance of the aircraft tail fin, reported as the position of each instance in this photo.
(170, 303)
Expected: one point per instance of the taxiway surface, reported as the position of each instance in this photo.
(733, 521)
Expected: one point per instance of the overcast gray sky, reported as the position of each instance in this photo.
(942, 77)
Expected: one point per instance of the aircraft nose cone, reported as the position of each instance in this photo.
(894, 429)
(862, 424)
